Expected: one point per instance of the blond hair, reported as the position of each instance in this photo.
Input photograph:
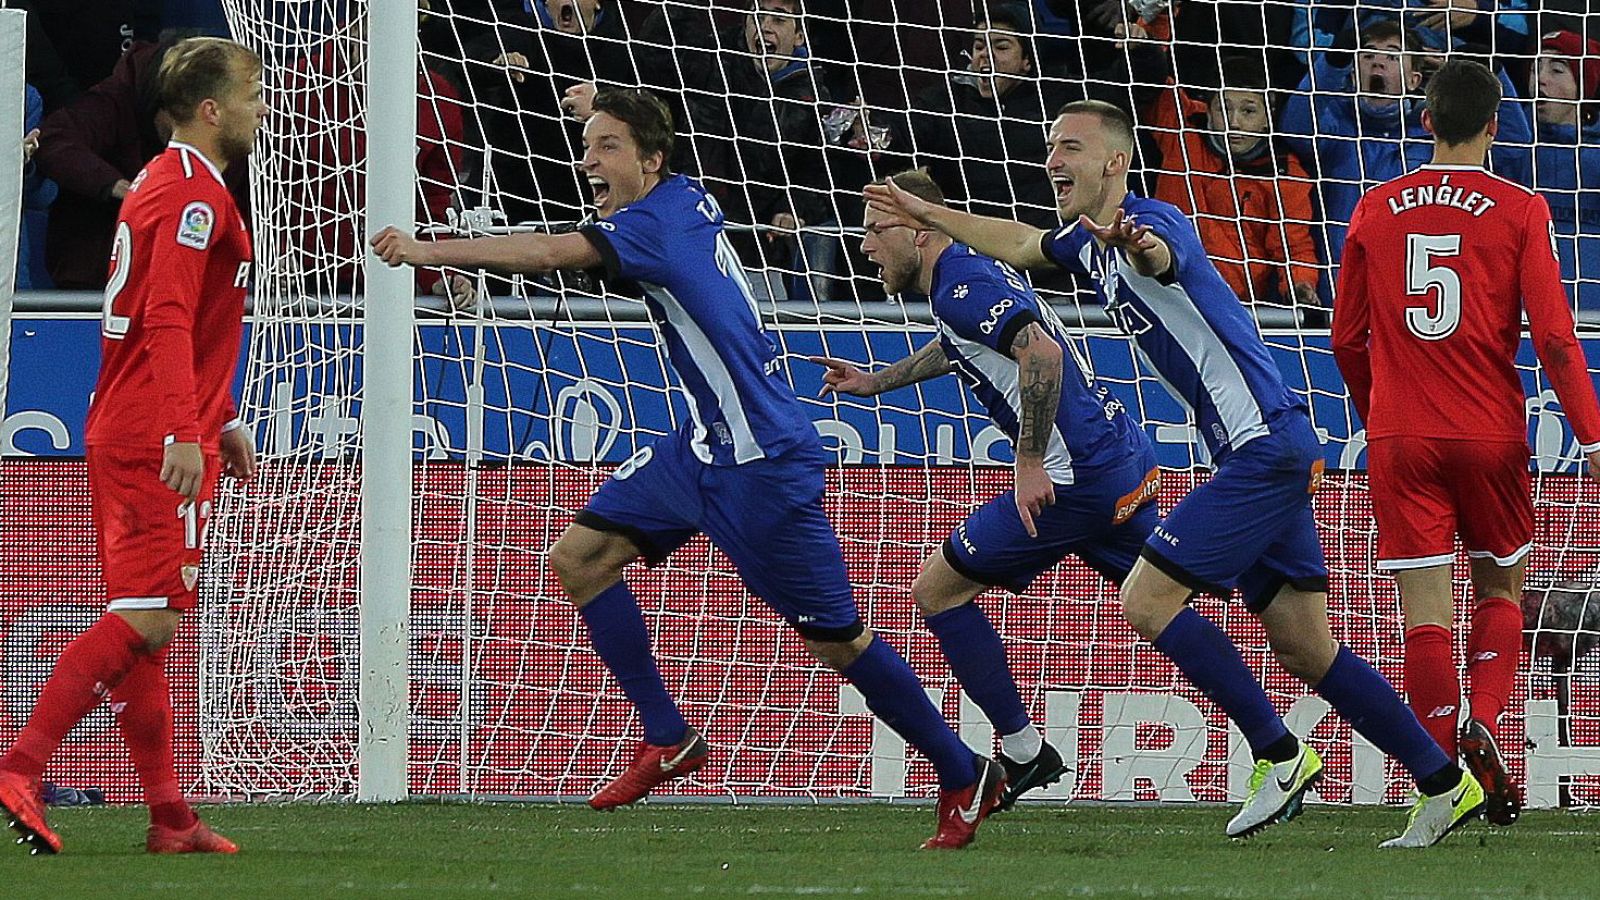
(918, 183)
(198, 69)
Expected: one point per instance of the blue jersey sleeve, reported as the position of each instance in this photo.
(631, 244)
(989, 308)
(1064, 247)
(1174, 228)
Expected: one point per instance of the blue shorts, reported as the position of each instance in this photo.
(765, 515)
(1250, 526)
(1103, 520)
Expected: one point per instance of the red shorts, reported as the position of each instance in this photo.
(148, 535)
(1425, 491)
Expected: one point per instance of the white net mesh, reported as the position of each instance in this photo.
(532, 391)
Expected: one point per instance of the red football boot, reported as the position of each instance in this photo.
(24, 811)
(1482, 756)
(197, 838)
(961, 811)
(651, 766)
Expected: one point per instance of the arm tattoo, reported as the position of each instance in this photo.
(926, 363)
(1040, 379)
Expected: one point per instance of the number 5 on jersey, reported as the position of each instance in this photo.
(1422, 277)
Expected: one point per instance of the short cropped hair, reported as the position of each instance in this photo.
(1243, 73)
(646, 116)
(1462, 97)
(1391, 29)
(198, 69)
(1006, 15)
(1112, 118)
(918, 183)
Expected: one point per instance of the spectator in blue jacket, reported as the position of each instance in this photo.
(1564, 84)
(38, 192)
(1358, 125)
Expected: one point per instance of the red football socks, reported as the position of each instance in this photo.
(89, 669)
(1432, 685)
(1492, 650)
(143, 703)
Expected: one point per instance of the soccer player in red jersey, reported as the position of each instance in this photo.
(161, 427)
(1438, 268)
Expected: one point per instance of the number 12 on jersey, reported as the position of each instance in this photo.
(112, 325)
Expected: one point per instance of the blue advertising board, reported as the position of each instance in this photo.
(596, 392)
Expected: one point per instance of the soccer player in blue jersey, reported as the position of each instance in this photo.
(1086, 474)
(1250, 526)
(746, 469)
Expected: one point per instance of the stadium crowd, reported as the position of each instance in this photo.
(1265, 122)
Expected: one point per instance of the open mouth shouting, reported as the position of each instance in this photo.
(1062, 183)
(600, 189)
(566, 15)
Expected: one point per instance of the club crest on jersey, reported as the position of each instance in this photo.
(195, 225)
(191, 576)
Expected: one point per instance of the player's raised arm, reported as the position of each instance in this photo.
(1551, 329)
(1039, 368)
(514, 253)
(1014, 242)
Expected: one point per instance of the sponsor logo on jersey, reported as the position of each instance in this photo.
(195, 225)
(995, 312)
(1440, 712)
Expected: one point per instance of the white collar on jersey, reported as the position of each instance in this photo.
(190, 148)
(1446, 167)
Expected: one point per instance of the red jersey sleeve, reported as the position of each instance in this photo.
(1351, 319)
(1550, 325)
(183, 234)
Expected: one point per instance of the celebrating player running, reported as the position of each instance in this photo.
(1086, 474)
(747, 469)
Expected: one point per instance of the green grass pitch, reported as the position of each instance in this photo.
(862, 850)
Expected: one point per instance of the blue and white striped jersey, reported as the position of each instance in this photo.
(1188, 326)
(670, 243)
(981, 304)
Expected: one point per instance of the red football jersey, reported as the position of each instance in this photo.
(1438, 267)
(174, 308)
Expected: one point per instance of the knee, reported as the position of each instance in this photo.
(1306, 662)
(156, 626)
(930, 602)
(581, 574)
(1149, 616)
(839, 654)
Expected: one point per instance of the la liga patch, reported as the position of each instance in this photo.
(196, 224)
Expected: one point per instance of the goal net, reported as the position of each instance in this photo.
(529, 392)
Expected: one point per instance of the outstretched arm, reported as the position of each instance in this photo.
(1003, 239)
(845, 378)
(1150, 255)
(517, 253)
